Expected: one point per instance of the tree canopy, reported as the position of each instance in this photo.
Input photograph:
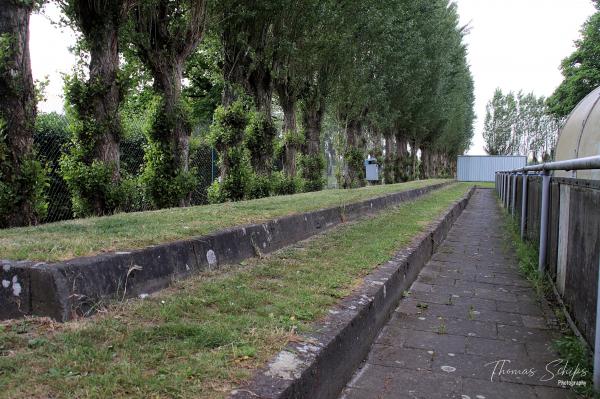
(581, 69)
(276, 87)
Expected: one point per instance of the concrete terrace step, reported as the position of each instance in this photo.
(75, 287)
(470, 326)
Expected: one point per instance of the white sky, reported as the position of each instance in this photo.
(513, 44)
(518, 45)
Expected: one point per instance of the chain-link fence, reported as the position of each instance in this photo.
(52, 144)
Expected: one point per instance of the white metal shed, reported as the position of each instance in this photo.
(484, 167)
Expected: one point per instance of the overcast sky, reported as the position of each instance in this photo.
(513, 44)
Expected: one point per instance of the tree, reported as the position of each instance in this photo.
(93, 167)
(500, 116)
(581, 70)
(22, 177)
(520, 125)
(165, 33)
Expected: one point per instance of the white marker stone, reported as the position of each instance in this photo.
(5, 283)
(211, 257)
(16, 289)
(448, 369)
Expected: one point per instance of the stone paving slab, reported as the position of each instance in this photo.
(470, 327)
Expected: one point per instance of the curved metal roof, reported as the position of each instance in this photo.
(580, 136)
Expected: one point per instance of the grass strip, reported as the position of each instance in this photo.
(89, 236)
(203, 336)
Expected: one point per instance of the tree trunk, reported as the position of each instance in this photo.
(422, 172)
(164, 48)
(400, 171)
(104, 66)
(261, 89)
(17, 112)
(313, 165)
(388, 165)
(353, 173)
(290, 132)
(176, 134)
(414, 147)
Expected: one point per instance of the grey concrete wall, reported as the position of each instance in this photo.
(573, 250)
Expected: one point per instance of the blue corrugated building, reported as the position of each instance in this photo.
(484, 167)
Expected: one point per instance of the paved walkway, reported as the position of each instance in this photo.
(470, 327)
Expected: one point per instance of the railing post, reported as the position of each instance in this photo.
(544, 221)
(524, 205)
(505, 193)
(508, 179)
(496, 182)
(514, 193)
(597, 340)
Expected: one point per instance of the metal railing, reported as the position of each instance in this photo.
(506, 186)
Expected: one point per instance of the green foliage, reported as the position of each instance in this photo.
(214, 193)
(312, 170)
(238, 180)
(575, 353)
(402, 166)
(167, 184)
(52, 137)
(6, 45)
(25, 182)
(227, 136)
(29, 186)
(355, 163)
(228, 126)
(581, 70)
(261, 186)
(205, 81)
(259, 138)
(90, 181)
(286, 185)
(519, 124)
(296, 139)
(91, 185)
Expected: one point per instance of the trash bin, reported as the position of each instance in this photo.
(372, 169)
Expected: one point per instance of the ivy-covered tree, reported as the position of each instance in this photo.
(92, 169)
(22, 177)
(164, 34)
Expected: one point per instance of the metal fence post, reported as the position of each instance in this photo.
(501, 187)
(514, 193)
(544, 221)
(496, 182)
(524, 205)
(507, 201)
(504, 190)
(597, 340)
